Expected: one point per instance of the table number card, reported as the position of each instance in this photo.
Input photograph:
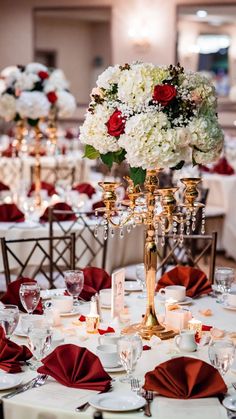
(117, 292)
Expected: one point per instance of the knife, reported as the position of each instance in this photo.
(20, 389)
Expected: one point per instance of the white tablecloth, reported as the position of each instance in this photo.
(54, 401)
(222, 195)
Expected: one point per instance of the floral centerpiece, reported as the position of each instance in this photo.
(152, 117)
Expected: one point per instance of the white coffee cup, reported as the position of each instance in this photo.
(108, 355)
(105, 297)
(109, 338)
(175, 292)
(63, 303)
(231, 298)
(185, 341)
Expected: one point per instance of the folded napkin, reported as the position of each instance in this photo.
(44, 185)
(193, 279)
(11, 354)
(41, 153)
(77, 367)
(12, 296)
(60, 206)
(4, 187)
(95, 279)
(222, 167)
(10, 212)
(85, 188)
(10, 151)
(185, 378)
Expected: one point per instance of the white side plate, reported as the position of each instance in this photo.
(119, 402)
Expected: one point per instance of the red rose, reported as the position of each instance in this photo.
(43, 75)
(116, 124)
(52, 97)
(164, 93)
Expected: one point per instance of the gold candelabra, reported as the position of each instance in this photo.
(52, 126)
(157, 209)
(37, 166)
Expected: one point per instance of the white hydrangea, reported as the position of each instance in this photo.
(110, 76)
(66, 104)
(26, 81)
(201, 157)
(56, 81)
(206, 134)
(94, 130)
(33, 105)
(7, 107)
(35, 68)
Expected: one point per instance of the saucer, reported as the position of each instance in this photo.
(9, 381)
(230, 403)
(186, 301)
(132, 286)
(119, 368)
(73, 312)
(228, 307)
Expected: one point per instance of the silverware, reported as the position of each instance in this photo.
(135, 385)
(234, 385)
(36, 382)
(149, 398)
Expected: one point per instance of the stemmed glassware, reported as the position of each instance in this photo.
(74, 281)
(221, 354)
(130, 348)
(29, 296)
(40, 339)
(141, 279)
(224, 278)
(9, 318)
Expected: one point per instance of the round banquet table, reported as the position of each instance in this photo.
(55, 401)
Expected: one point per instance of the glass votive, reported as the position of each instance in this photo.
(196, 325)
(92, 323)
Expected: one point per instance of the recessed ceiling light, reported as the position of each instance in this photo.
(201, 13)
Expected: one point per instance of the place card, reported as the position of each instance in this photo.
(117, 292)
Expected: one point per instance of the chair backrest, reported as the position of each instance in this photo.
(52, 174)
(40, 258)
(90, 248)
(174, 252)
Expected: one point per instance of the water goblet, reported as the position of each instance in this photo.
(126, 354)
(29, 296)
(141, 279)
(9, 318)
(137, 345)
(224, 278)
(40, 340)
(221, 354)
(74, 281)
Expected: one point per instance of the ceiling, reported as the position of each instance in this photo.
(91, 14)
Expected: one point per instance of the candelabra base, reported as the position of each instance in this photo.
(146, 332)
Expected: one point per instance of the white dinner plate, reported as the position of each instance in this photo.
(9, 381)
(117, 402)
(228, 307)
(120, 368)
(132, 286)
(73, 312)
(186, 301)
(230, 403)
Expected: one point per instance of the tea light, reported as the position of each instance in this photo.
(92, 323)
(196, 325)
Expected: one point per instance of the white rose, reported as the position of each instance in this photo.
(65, 103)
(35, 68)
(56, 81)
(33, 105)
(26, 81)
(7, 107)
(108, 77)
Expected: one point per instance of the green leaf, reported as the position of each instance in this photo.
(91, 152)
(119, 156)
(137, 175)
(178, 165)
(33, 122)
(108, 159)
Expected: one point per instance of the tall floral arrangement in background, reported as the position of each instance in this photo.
(154, 117)
(32, 91)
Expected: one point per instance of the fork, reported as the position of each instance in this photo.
(234, 385)
(149, 398)
(135, 385)
(36, 382)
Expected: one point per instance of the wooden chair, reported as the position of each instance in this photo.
(46, 257)
(90, 250)
(176, 253)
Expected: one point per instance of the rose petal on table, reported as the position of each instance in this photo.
(82, 318)
(146, 348)
(108, 330)
(207, 312)
(217, 333)
(206, 328)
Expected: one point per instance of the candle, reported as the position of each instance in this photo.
(177, 318)
(92, 323)
(196, 325)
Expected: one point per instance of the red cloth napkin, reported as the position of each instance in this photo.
(107, 330)
(11, 354)
(4, 187)
(41, 153)
(185, 378)
(12, 296)
(193, 279)
(85, 188)
(10, 212)
(95, 279)
(222, 167)
(9, 152)
(44, 185)
(60, 206)
(77, 367)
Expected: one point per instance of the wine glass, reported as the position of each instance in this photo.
(29, 296)
(141, 279)
(137, 344)
(39, 339)
(126, 354)
(221, 354)
(74, 283)
(9, 318)
(224, 278)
